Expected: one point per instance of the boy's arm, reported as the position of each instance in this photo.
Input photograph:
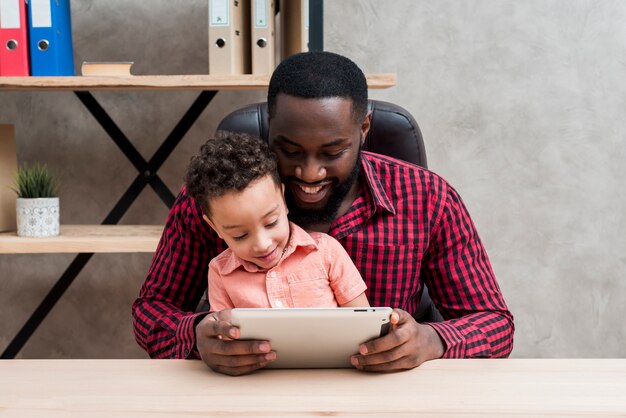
(359, 301)
(163, 314)
(345, 279)
(218, 296)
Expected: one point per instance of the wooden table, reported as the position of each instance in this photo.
(187, 388)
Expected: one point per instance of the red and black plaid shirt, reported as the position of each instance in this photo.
(407, 227)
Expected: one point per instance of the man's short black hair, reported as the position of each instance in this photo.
(229, 162)
(318, 75)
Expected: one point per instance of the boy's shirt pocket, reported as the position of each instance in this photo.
(311, 289)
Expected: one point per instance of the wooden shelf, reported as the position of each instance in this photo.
(86, 239)
(160, 82)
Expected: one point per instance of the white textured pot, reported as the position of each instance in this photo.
(38, 217)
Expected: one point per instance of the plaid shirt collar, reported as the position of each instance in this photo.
(372, 197)
(373, 186)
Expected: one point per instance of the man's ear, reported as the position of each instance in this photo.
(207, 220)
(365, 126)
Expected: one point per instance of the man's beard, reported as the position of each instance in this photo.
(327, 214)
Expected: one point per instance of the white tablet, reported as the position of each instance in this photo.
(312, 337)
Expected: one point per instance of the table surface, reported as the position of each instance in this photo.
(187, 388)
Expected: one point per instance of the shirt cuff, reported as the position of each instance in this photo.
(453, 340)
(186, 336)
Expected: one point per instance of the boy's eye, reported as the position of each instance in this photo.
(240, 237)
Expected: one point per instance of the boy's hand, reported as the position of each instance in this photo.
(217, 343)
(407, 345)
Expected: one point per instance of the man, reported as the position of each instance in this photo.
(403, 226)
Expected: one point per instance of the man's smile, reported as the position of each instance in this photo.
(311, 193)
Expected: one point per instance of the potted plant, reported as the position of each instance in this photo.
(37, 201)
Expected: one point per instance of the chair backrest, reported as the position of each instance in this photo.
(393, 132)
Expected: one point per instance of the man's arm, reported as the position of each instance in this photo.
(464, 289)
(163, 315)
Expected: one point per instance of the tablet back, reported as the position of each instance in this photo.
(312, 337)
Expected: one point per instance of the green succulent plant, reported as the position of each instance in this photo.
(35, 181)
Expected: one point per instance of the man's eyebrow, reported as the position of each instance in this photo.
(336, 142)
(268, 213)
(286, 140)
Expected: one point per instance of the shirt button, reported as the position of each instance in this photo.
(278, 303)
(273, 275)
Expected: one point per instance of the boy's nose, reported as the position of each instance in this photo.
(262, 244)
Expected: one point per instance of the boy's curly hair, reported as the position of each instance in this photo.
(229, 162)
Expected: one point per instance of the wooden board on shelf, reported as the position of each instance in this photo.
(86, 239)
(161, 82)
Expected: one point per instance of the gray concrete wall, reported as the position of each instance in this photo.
(522, 109)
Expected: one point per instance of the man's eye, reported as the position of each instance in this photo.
(289, 153)
(333, 155)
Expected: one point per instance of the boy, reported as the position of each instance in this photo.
(270, 262)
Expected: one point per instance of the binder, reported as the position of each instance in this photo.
(13, 38)
(8, 170)
(229, 36)
(263, 37)
(50, 38)
(294, 27)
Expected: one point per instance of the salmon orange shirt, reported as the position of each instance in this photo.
(314, 272)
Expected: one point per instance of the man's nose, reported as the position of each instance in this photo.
(311, 171)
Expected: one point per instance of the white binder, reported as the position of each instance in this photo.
(229, 36)
(263, 37)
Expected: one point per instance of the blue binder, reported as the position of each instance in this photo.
(50, 38)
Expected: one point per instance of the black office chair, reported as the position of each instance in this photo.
(393, 132)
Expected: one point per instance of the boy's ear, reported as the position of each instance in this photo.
(282, 185)
(207, 220)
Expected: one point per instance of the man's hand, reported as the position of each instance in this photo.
(217, 343)
(407, 345)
